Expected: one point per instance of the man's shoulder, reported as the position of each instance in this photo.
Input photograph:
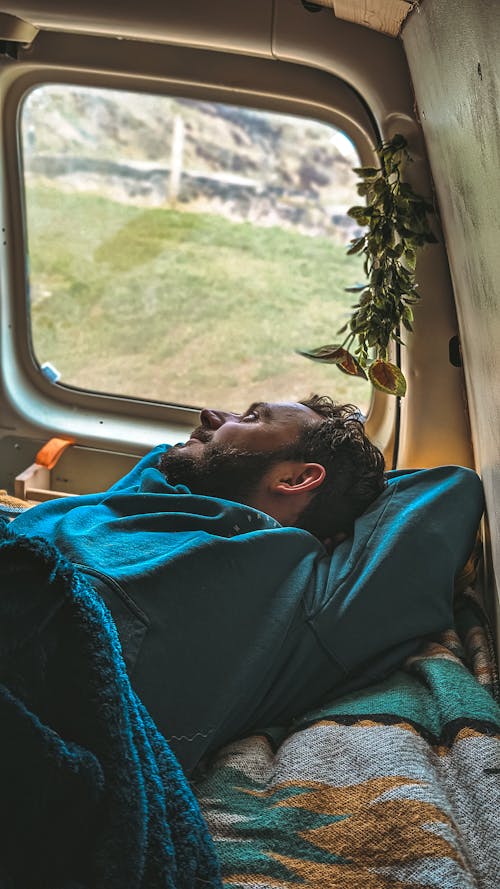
(438, 478)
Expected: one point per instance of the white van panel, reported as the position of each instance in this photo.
(453, 52)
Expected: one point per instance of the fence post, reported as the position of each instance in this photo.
(176, 160)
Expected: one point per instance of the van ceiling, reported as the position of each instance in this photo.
(151, 20)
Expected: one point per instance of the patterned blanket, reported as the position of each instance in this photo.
(392, 787)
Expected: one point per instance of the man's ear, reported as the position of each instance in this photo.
(299, 478)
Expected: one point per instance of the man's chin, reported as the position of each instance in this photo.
(214, 470)
(191, 446)
(181, 463)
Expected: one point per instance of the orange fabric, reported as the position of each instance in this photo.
(49, 454)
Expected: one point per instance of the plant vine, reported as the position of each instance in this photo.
(397, 228)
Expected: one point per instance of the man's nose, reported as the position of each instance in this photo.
(213, 419)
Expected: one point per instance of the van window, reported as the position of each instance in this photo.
(182, 251)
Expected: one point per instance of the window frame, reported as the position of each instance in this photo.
(111, 420)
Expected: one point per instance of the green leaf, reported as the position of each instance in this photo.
(387, 377)
(397, 339)
(359, 212)
(410, 258)
(335, 354)
(366, 172)
(356, 247)
(363, 188)
(332, 354)
(351, 366)
(406, 190)
(355, 289)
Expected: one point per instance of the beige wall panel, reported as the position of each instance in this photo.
(454, 56)
(196, 22)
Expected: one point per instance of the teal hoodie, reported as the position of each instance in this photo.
(230, 622)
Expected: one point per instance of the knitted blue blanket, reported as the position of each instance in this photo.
(91, 795)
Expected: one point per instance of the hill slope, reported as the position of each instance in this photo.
(248, 165)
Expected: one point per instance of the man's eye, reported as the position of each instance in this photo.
(250, 417)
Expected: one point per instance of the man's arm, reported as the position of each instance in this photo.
(384, 589)
(392, 583)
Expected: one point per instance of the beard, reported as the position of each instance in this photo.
(220, 471)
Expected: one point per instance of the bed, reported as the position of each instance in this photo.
(394, 786)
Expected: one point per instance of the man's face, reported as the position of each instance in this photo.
(262, 428)
(228, 454)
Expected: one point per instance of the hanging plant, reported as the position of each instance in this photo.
(397, 227)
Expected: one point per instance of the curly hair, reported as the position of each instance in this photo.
(355, 468)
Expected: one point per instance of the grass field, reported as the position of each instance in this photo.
(182, 307)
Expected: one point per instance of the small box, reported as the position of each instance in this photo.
(63, 471)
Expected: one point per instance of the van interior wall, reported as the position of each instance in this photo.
(452, 51)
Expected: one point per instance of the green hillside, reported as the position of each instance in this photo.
(183, 307)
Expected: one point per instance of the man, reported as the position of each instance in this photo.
(215, 559)
(308, 465)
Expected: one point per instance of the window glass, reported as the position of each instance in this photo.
(183, 251)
